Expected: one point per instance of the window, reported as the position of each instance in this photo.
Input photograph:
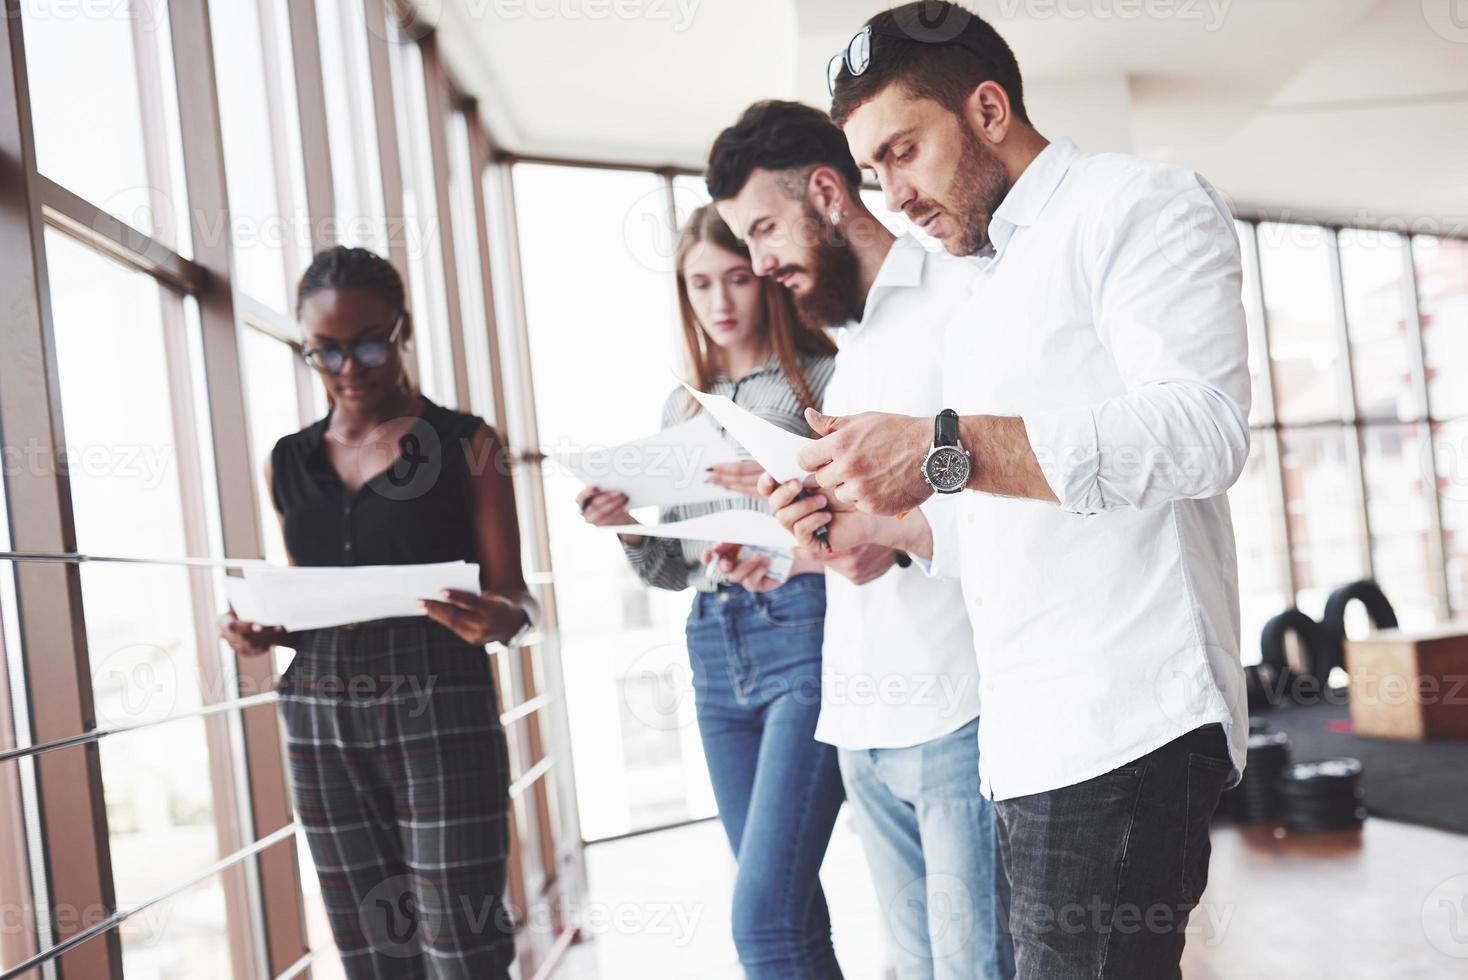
(597, 257)
(73, 115)
(1263, 585)
(1442, 295)
(117, 391)
(421, 223)
(351, 125)
(261, 171)
(1373, 272)
(1295, 262)
(466, 217)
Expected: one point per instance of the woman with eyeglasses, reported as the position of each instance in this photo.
(398, 759)
(754, 644)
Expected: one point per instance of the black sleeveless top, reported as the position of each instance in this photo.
(419, 510)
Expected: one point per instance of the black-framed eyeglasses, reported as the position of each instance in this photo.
(856, 57)
(369, 353)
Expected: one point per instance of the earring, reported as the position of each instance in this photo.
(835, 216)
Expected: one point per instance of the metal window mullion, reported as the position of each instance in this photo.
(268, 798)
(241, 893)
(275, 110)
(438, 106)
(566, 855)
(311, 111)
(82, 220)
(479, 154)
(240, 885)
(19, 941)
(76, 860)
(1417, 350)
(388, 153)
(1351, 412)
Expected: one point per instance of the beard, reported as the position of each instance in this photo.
(834, 296)
(979, 185)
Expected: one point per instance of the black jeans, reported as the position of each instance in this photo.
(1104, 874)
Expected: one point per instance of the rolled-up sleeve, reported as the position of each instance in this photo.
(1168, 310)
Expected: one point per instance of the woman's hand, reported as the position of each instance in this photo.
(606, 508)
(739, 477)
(249, 639)
(749, 573)
(477, 618)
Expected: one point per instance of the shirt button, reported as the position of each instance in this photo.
(349, 546)
(978, 601)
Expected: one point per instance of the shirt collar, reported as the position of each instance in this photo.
(903, 267)
(1021, 207)
(773, 364)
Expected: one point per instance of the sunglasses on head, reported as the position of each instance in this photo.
(856, 57)
(369, 353)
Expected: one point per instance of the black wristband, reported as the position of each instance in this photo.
(945, 428)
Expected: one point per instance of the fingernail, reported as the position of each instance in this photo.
(445, 593)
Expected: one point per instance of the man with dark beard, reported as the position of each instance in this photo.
(1099, 393)
(899, 695)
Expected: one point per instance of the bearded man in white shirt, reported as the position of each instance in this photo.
(1100, 394)
(899, 694)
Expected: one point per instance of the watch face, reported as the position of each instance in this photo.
(947, 469)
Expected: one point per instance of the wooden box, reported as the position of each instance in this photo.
(1410, 685)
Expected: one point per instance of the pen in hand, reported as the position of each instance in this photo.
(822, 533)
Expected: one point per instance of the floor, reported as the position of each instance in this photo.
(1387, 903)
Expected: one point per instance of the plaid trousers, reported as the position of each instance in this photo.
(400, 771)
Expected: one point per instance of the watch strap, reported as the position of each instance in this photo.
(945, 428)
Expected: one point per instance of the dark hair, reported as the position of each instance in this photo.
(340, 267)
(935, 50)
(774, 135)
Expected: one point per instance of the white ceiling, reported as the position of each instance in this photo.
(1347, 109)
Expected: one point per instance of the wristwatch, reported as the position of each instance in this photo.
(947, 465)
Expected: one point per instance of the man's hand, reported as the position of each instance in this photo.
(871, 461)
(862, 564)
(847, 528)
(739, 477)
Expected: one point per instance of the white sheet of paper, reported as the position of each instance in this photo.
(772, 447)
(302, 598)
(664, 469)
(727, 526)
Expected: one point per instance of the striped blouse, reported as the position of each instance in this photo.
(671, 563)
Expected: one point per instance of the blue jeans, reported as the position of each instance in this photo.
(933, 847)
(756, 661)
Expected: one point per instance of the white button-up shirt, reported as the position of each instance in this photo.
(898, 665)
(1107, 316)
